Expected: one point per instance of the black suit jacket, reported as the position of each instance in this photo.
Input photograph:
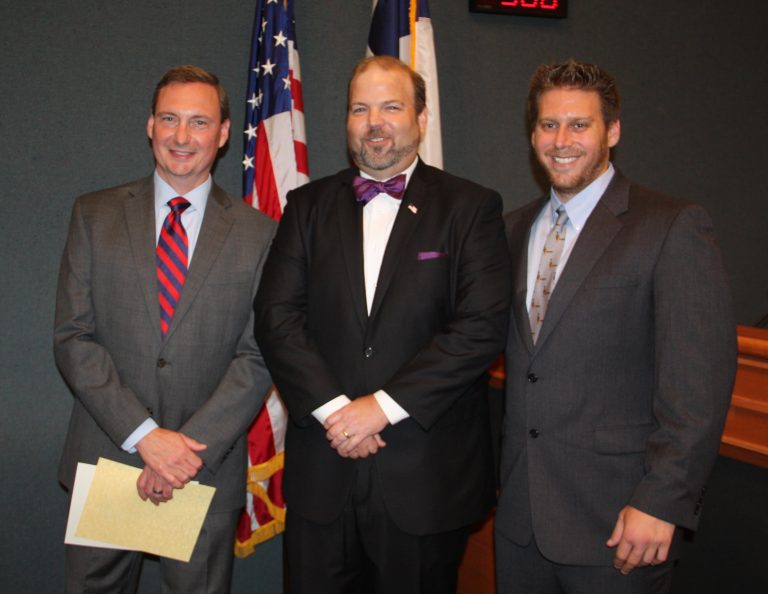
(437, 322)
(622, 399)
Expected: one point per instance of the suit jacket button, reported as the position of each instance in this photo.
(534, 433)
(533, 378)
(368, 352)
(162, 362)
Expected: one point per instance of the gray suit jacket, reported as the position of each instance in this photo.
(205, 379)
(623, 398)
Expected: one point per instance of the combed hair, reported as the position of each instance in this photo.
(390, 63)
(193, 74)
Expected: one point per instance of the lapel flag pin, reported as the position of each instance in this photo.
(413, 209)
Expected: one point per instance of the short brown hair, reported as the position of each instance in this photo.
(193, 74)
(574, 75)
(389, 63)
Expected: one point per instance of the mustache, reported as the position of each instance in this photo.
(375, 132)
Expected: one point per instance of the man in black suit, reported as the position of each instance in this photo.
(378, 323)
(620, 360)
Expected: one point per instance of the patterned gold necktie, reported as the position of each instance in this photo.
(545, 278)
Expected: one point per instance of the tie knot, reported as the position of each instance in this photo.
(366, 189)
(178, 204)
(562, 217)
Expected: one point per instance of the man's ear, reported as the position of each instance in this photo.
(422, 119)
(224, 132)
(614, 133)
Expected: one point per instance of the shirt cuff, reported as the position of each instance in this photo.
(393, 411)
(129, 445)
(326, 410)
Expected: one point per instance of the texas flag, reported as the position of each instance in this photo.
(403, 29)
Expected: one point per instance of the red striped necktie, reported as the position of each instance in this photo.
(172, 259)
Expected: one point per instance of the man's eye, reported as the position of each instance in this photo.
(199, 124)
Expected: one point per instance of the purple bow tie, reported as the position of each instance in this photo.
(366, 189)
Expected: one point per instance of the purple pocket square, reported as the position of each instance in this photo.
(430, 255)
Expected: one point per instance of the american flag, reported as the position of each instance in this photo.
(274, 163)
(403, 29)
(275, 159)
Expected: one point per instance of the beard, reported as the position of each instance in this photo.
(569, 184)
(380, 158)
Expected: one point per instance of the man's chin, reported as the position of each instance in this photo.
(567, 184)
(376, 164)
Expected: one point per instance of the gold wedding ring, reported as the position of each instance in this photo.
(346, 434)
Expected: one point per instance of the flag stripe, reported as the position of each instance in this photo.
(302, 160)
(266, 186)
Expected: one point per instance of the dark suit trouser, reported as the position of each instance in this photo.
(364, 552)
(93, 570)
(524, 570)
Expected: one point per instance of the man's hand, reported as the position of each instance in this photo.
(171, 455)
(642, 540)
(151, 485)
(370, 445)
(349, 426)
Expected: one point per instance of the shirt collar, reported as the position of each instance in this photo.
(197, 197)
(582, 204)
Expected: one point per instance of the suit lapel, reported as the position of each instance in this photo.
(140, 220)
(598, 233)
(217, 223)
(350, 230)
(414, 203)
(518, 238)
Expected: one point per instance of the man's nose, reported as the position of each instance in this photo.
(374, 117)
(563, 136)
(181, 135)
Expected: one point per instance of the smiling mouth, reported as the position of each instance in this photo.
(564, 160)
(376, 145)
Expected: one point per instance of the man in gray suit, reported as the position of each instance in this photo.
(154, 334)
(620, 360)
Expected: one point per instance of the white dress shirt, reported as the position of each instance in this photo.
(378, 219)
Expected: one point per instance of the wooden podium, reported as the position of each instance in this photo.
(746, 429)
(745, 438)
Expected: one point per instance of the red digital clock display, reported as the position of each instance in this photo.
(545, 8)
